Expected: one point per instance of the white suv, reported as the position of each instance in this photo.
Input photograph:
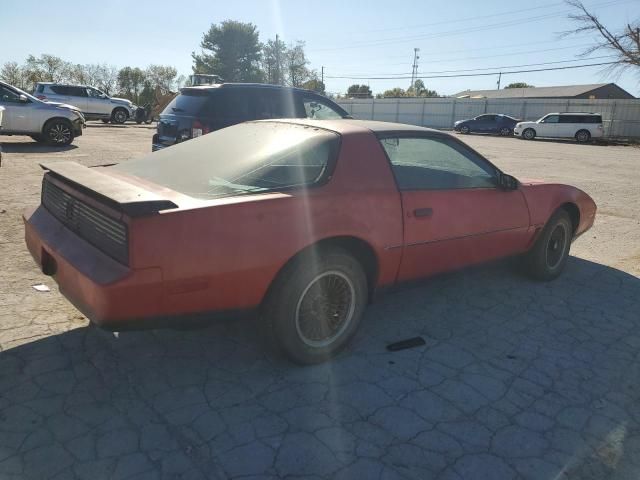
(54, 123)
(581, 126)
(94, 104)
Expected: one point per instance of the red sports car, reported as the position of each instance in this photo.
(301, 220)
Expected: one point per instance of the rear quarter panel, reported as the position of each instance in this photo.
(225, 256)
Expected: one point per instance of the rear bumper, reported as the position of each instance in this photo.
(110, 294)
(157, 144)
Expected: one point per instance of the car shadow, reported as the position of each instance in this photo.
(541, 379)
(31, 146)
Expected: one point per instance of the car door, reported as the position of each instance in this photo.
(454, 215)
(78, 98)
(17, 115)
(97, 102)
(486, 123)
(548, 126)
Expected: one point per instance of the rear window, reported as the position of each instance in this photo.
(189, 102)
(254, 157)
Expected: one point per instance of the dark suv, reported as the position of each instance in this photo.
(199, 110)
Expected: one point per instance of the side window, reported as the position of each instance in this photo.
(232, 105)
(93, 93)
(275, 103)
(436, 164)
(78, 91)
(551, 119)
(319, 110)
(8, 96)
(40, 88)
(60, 89)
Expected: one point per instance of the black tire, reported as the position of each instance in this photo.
(464, 129)
(548, 257)
(583, 136)
(529, 134)
(300, 301)
(58, 132)
(505, 131)
(37, 138)
(106, 120)
(119, 115)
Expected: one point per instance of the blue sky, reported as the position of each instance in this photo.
(350, 38)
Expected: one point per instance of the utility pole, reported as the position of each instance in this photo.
(322, 75)
(414, 69)
(278, 69)
(499, 78)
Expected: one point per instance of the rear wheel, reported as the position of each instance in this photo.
(58, 133)
(316, 305)
(529, 134)
(505, 131)
(583, 136)
(548, 257)
(119, 116)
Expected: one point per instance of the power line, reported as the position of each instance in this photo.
(465, 19)
(413, 38)
(392, 76)
(476, 74)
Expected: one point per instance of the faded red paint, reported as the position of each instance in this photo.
(223, 255)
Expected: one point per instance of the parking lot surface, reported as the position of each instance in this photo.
(518, 379)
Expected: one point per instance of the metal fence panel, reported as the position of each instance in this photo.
(621, 117)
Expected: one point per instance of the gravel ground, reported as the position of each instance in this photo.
(518, 379)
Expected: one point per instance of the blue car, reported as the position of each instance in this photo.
(487, 123)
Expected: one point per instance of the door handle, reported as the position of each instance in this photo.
(423, 212)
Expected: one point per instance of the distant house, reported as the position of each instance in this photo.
(592, 91)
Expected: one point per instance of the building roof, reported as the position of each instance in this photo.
(566, 91)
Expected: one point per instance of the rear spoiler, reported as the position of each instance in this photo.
(118, 194)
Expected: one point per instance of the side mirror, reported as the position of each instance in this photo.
(507, 182)
(23, 98)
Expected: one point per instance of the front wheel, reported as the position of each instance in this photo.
(548, 257)
(119, 116)
(316, 305)
(106, 120)
(464, 129)
(529, 134)
(58, 133)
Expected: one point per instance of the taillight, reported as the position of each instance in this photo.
(41, 97)
(600, 127)
(198, 129)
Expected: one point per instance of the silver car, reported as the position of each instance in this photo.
(94, 103)
(53, 123)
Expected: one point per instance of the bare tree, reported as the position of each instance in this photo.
(13, 74)
(625, 44)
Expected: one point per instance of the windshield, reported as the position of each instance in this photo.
(247, 158)
(28, 95)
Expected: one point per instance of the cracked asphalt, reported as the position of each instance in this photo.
(518, 379)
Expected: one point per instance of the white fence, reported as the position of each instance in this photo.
(621, 117)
